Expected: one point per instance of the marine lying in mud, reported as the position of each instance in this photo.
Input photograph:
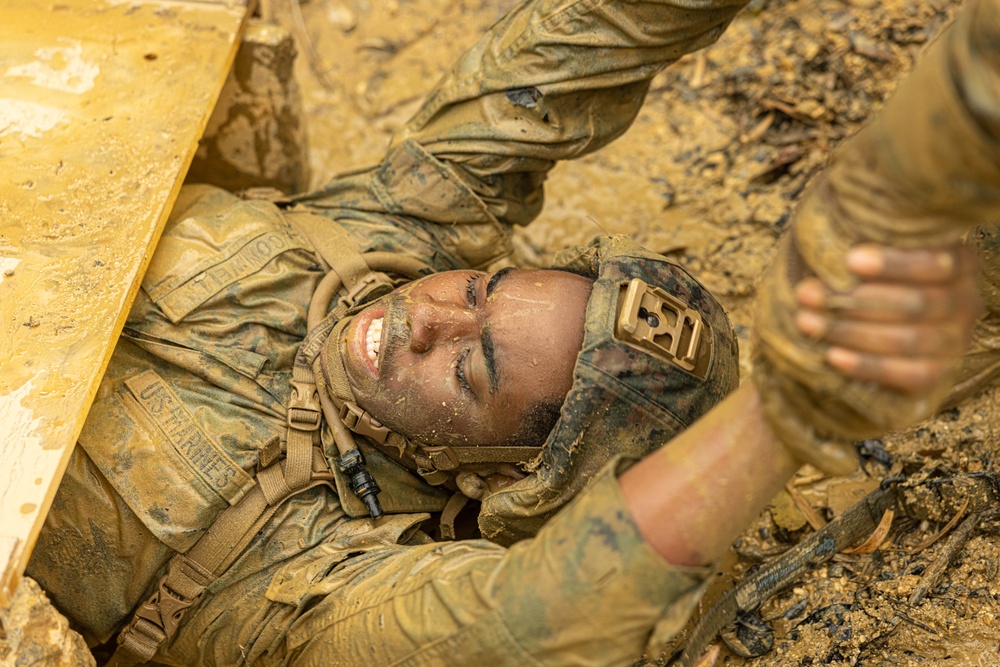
(309, 402)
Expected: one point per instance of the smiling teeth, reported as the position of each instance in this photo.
(373, 340)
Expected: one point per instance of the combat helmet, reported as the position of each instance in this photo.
(659, 351)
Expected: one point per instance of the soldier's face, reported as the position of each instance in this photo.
(457, 357)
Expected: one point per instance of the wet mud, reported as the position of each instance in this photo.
(710, 174)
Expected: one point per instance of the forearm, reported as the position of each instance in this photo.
(586, 591)
(551, 81)
(568, 53)
(694, 496)
(918, 176)
(927, 167)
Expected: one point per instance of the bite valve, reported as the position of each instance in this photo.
(352, 464)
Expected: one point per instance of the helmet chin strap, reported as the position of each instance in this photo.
(320, 384)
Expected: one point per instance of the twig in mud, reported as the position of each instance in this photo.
(758, 131)
(777, 574)
(944, 531)
(700, 63)
(937, 568)
(754, 554)
(923, 626)
(809, 479)
(787, 109)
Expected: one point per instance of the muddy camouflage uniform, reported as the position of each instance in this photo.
(924, 173)
(199, 382)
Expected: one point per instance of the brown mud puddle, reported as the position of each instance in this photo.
(709, 173)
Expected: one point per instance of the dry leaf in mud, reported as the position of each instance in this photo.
(877, 537)
(786, 513)
(844, 493)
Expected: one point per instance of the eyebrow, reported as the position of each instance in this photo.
(496, 278)
(489, 349)
(490, 357)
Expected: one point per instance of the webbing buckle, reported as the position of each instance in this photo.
(362, 423)
(304, 419)
(155, 621)
(443, 457)
(660, 323)
(304, 413)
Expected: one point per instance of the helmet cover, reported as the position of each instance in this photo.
(627, 398)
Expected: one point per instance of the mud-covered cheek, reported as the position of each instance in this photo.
(448, 420)
(425, 392)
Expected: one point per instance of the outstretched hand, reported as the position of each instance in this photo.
(908, 322)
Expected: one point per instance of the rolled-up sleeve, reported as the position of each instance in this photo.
(587, 591)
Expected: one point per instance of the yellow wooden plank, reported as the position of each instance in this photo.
(102, 103)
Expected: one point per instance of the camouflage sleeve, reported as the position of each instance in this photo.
(587, 591)
(919, 175)
(553, 80)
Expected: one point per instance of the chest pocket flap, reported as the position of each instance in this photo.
(167, 469)
(198, 257)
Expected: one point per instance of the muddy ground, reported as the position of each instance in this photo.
(709, 174)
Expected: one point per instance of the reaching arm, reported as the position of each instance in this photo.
(918, 176)
(904, 327)
(553, 80)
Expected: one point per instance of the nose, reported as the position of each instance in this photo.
(433, 321)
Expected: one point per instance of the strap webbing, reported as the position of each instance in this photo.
(333, 243)
(448, 458)
(305, 464)
(450, 513)
(188, 575)
(333, 369)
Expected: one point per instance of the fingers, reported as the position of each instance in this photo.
(881, 302)
(908, 376)
(885, 263)
(937, 339)
(910, 358)
(906, 323)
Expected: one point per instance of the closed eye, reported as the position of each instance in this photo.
(470, 292)
(460, 370)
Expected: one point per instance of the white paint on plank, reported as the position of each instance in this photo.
(61, 68)
(7, 266)
(29, 119)
(21, 450)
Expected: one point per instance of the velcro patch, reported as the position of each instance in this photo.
(247, 260)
